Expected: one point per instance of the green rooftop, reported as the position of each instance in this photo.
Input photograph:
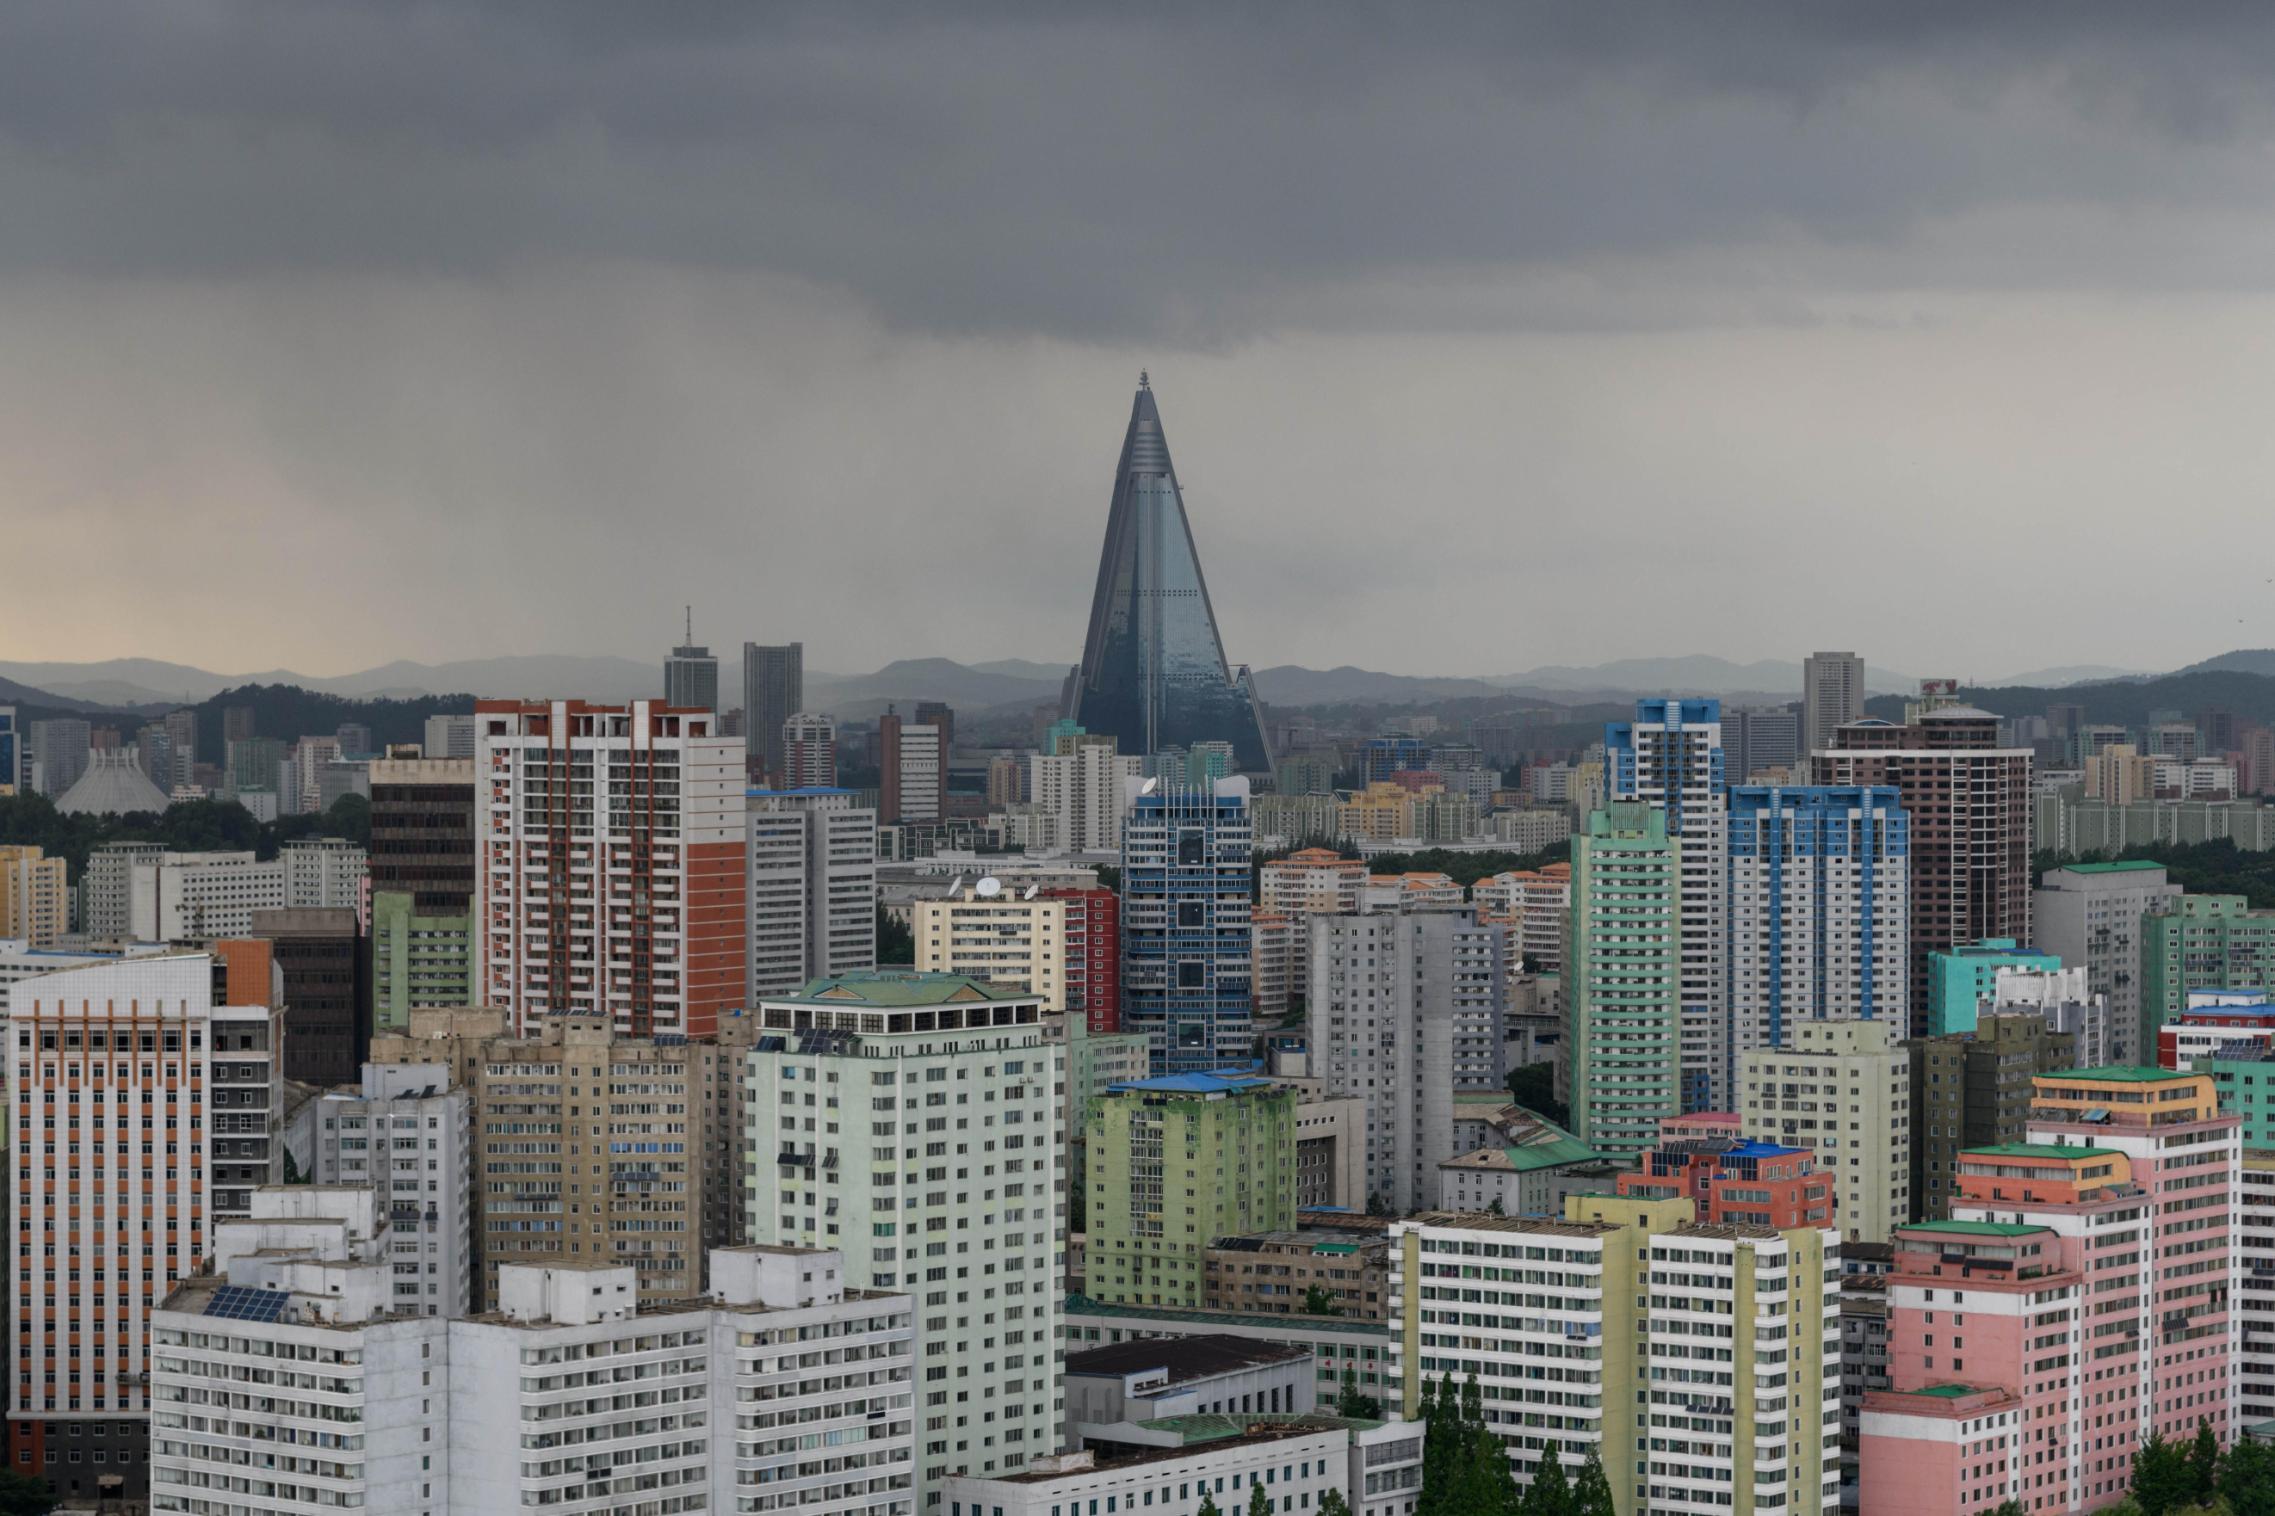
(901, 988)
(2120, 866)
(1945, 1391)
(1557, 1152)
(1975, 1228)
(2117, 1074)
(2038, 1150)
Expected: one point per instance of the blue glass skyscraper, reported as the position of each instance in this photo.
(1186, 853)
(1153, 673)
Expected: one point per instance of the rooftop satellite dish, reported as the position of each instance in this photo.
(1031, 889)
(957, 885)
(990, 887)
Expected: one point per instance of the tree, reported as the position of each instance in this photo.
(895, 942)
(2162, 1479)
(1549, 1494)
(1259, 1503)
(1333, 1504)
(2010, 1507)
(2204, 1462)
(1318, 1300)
(2247, 1478)
(1350, 1402)
(1533, 1086)
(1208, 1505)
(1591, 1492)
(22, 1495)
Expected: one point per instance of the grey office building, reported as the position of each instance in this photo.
(774, 690)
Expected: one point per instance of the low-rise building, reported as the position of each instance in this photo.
(283, 1385)
(1277, 1273)
(1354, 1346)
(1177, 1463)
(1148, 1378)
(1736, 1182)
(1519, 1167)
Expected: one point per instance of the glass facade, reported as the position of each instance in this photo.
(1153, 672)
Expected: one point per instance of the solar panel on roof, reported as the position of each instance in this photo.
(235, 1302)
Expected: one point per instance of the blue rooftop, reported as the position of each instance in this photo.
(1222, 1082)
(1751, 1149)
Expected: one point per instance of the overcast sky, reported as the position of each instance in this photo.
(1485, 336)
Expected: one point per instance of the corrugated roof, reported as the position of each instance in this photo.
(1976, 1228)
(2037, 1150)
(2117, 1074)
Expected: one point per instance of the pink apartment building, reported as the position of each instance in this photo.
(2077, 1302)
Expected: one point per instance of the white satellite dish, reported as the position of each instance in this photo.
(958, 886)
(990, 887)
(1031, 889)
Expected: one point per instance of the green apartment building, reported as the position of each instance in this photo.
(417, 960)
(1176, 1163)
(1961, 978)
(1622, 972)
(2205, 942)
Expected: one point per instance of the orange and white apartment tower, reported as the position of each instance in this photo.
(112, 1084)
(611, 879)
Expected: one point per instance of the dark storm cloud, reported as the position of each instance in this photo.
(1181, 172)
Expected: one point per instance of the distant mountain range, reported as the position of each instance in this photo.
(999, 684)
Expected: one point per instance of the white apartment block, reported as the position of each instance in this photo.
(922, 773)
(1278, 951)
(610, 869)
(913, 1121)
(407, 1135)
(448, 737)
(301, 778)
(140, 1107)
(2254, 1240)
(1843, 1090)
(324, 871)
(813, 887)
(1532, 828)
(1404, 1010)
(287, 1387)
(1536, 905)
(997, 937)
(1084, 790)
(1295, 1460)
(1311, 882)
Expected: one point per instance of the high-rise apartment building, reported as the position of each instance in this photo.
(1969, 804)
(59, 748)
(1819, 899)
(423, 942)
(691, 674)
(774, 690)
(590, 1147)
(1973, 1090)
(1407, 1010)
(995, 936)
(426, 1416)
(1670, 757)
(913, 1121)
(1843, 1090)
(1185, 910)
(406, 1134)
(1093, 956)
(1832, 696)
(1153, 672)
(1533, 905)
(813, 887)
(1086, 789)
(2080, 1300)
(324, 960)
(809, 752)
(141, 1110)
(1695, 1359)
(1175, 1163)
(1623, 978)
(2200, 942)
(35, 896)
(912, 770)
(181, 745)
(610, 877)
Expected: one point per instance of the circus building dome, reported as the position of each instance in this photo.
(113, 785)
